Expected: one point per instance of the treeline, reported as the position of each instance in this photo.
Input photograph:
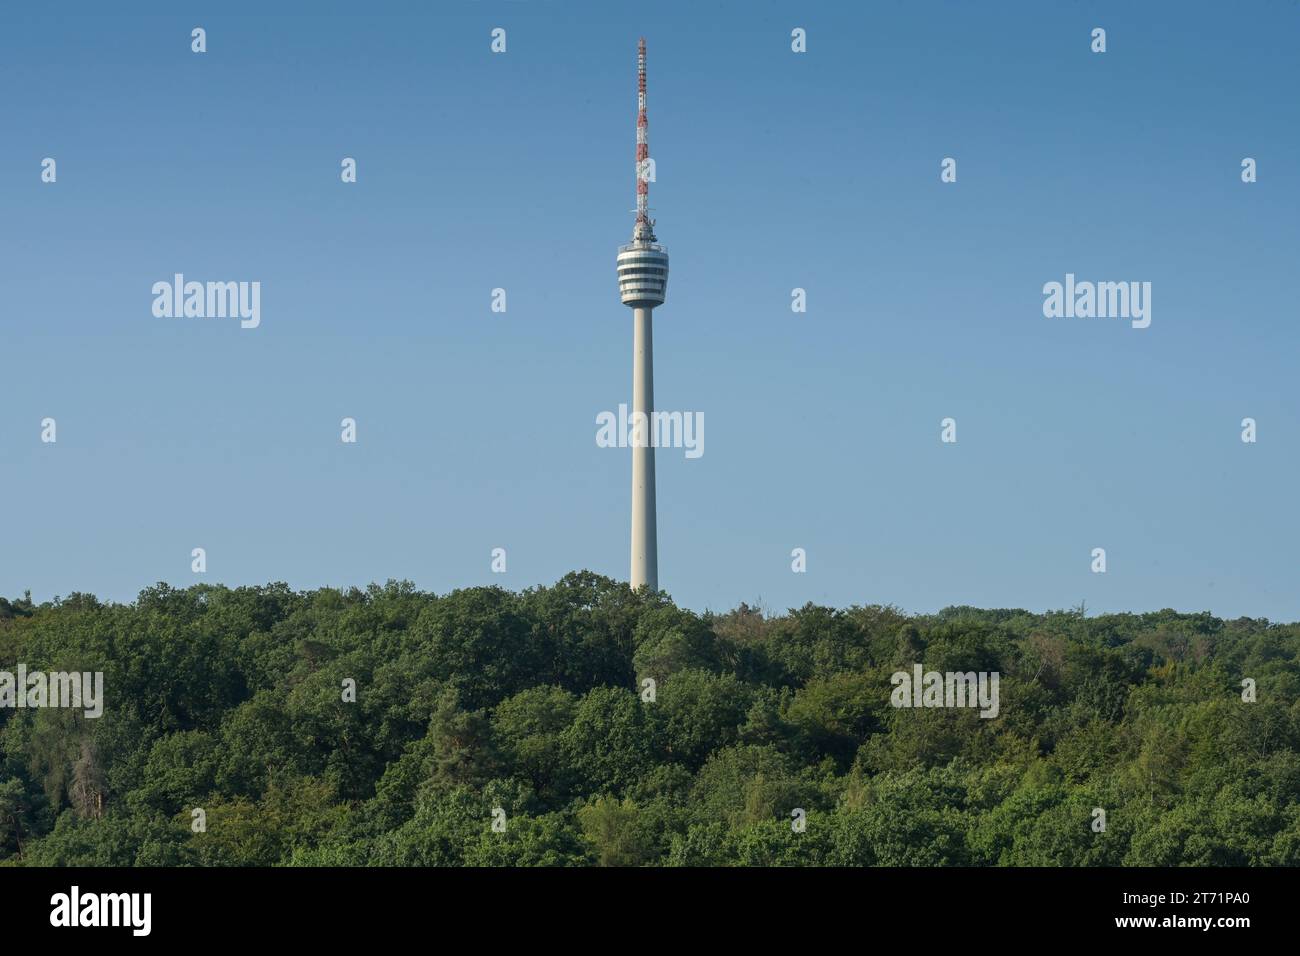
(495, 728)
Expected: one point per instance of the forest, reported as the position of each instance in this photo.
(586, 724)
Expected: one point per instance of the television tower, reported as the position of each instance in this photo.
(642, 282)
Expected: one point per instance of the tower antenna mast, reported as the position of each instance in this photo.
(644, 230)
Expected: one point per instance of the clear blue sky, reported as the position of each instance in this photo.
(774, 170)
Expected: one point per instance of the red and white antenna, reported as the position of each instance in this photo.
(644, 230)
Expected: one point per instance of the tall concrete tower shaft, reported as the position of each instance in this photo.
(645, 536)
(642, 284)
